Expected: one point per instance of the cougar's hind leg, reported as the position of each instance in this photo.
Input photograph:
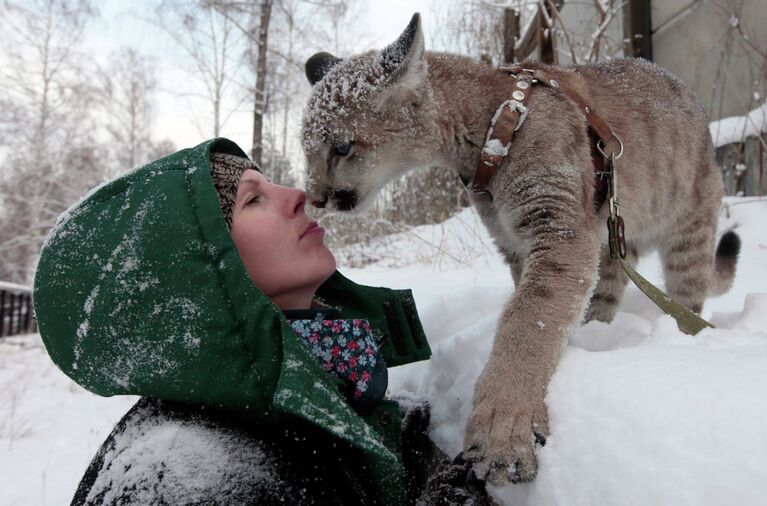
(688, 260)
(611, 285)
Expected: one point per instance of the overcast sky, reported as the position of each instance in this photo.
(123, 24)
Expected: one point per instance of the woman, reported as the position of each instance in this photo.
(199, 285)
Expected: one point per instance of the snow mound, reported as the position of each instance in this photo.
(640, 413)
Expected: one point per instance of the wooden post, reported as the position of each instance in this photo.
(10, 314)
(28, 314)
(2, 312)
(762, 156)
(19, 307)
(725, 159)
(12, 307)
(754, 182)
(546, 44)
(510, 35)
(637, 27)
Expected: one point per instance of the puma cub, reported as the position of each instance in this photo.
(374, 116)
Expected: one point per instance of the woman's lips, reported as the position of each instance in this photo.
(312, 229)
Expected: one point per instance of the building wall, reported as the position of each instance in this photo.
(701, 42)
(695, 40)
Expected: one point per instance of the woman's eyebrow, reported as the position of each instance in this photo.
(250, 182)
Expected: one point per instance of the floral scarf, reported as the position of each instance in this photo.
(347, 351)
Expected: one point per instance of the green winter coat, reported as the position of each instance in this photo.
(140, 290)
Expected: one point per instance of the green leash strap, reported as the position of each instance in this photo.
(688, 322)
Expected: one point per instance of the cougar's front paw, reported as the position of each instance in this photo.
(503, 431)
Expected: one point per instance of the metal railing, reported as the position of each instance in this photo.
(16, 311)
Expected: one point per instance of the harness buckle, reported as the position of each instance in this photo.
(521, 109)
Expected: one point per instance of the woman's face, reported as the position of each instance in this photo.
(282, 248)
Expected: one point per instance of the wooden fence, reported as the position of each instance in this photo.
(16, 312)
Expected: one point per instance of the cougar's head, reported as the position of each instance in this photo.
(369, 119)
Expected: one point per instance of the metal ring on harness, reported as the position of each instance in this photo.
(600, 146)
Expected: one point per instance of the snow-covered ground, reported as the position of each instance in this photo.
(640, 413)
(49, 427)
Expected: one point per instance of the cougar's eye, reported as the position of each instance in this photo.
(344, 149)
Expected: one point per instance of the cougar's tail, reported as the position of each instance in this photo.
(724, 264)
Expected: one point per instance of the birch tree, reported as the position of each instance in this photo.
(129, 94)
(47, 84)
(210, 41)
(254, 19)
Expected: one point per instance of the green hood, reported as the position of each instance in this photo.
(140, 290)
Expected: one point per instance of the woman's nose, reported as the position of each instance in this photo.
(298, 201)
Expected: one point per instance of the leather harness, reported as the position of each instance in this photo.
(511, 115)
(509, 118)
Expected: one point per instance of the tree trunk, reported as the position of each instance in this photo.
(258, 106)
(288, 88)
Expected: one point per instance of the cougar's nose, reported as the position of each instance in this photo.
(319, 204)
(318, 197)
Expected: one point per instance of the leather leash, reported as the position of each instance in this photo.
(607, 148)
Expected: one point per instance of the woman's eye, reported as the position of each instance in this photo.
(252, 200)
(344, 149)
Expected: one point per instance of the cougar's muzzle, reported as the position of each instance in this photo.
(342, 200)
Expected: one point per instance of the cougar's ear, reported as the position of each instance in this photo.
(404, 62)
(318, 65)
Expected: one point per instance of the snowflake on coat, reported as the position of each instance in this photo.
(345, 348)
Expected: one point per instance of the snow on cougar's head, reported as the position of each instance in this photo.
(366, 120)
